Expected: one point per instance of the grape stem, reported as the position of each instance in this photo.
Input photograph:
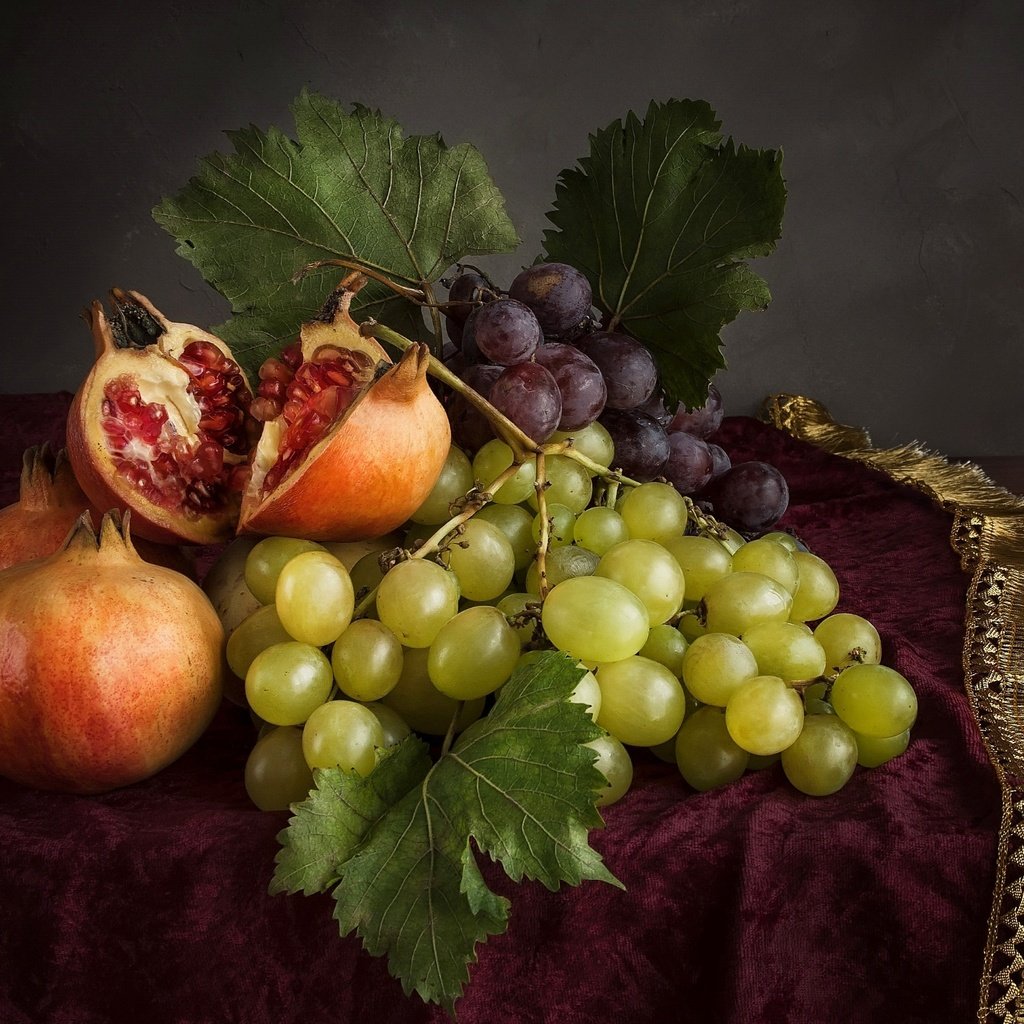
(541, 486)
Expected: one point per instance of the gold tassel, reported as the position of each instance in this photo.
(988, 535)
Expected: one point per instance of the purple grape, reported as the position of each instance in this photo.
(702, 421)
(719, 458)
(470, 428)
(558, 294)
(579, 381)
(655, 406)
(528, 395)
(750, 496)
(689, 465)
(453, 328)
(641, 444)
(466, 290)
(504, 331)
(628, 368)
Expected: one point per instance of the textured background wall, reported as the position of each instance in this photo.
(898, 285)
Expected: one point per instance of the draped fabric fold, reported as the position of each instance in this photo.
(988, 534)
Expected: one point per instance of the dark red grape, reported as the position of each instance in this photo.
(504, 331)
(579, 381)
(528, 395)
(702, 421)
(689, 464)
(750, 496)
(453, 328)
(641, 444)
(628, 368)
(558, 294)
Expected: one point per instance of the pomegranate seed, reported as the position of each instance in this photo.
(292, 355)
(264, 409)
(274, 370)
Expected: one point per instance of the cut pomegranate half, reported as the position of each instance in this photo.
(161, 425)
(351, 444)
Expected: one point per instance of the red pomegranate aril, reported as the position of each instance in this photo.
(292, 355)
(275, 370)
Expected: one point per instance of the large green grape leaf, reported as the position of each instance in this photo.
(660, 217)
(518, 785)
(349, 186)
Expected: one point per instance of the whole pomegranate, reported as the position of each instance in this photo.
(161, 424)
(351, 444)
(111, 667)
(49, 503)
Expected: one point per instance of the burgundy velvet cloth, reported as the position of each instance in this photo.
(751, 904)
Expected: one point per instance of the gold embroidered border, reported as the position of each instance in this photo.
(988, 535)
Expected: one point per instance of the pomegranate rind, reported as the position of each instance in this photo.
(370, 472)
(92, 709)
(94, 466)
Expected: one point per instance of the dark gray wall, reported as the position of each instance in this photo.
(898, 285)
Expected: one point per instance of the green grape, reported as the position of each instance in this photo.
(642, 703)
(569, 484)
(731, 540)
(595, 619)
(562, 564)
(342, 734)
(515, 605)
(665, 645)
(758, 762)
(593, 441)
(743, 599)
(367, 660)
(268, 557)
(255, 633)
(366, 574)
(454, 480)
(848, 639)
(482, 559)
(873, 751)
(822, 758)
(599, 528)
(787, 540)
(764, 715)
(415, 599)
(561, 521)
(667, 751)
(517, 524)
(287, 681)
(874, 700)
(422, 705)
(815, 702)
(703, 561)
(495, 457)
(393, 726)
(315, 598)
(769, 559)
(650, 572)
(654, 511)
(817, 589)
(691, 627)
(614, 763)
(706, 755)
(786, 650)
(588, 693)
(473, 653)
(276, 773)
(715, 666)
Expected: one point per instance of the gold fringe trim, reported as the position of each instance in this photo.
(988, 535)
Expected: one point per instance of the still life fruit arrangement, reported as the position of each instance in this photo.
(471, 545)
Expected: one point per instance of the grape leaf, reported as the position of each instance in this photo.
(350, 187)
(660, 217)
(517, 783)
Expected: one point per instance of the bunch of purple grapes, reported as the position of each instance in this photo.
(539, 356)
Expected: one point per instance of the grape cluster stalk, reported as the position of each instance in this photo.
(712, 641)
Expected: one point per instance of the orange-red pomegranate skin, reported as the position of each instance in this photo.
(371, 471)
(110, 668)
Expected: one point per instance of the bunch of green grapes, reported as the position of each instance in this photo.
(697, 643)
